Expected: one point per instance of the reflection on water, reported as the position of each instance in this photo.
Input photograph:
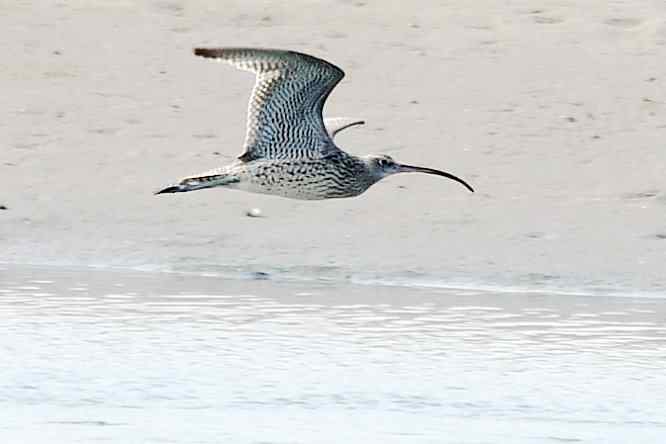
(142, 357)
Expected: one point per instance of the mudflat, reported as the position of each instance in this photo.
(553, 111)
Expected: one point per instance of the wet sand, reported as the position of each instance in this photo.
(553, 111)
(118, 356)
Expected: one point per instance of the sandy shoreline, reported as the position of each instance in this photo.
(554, 112)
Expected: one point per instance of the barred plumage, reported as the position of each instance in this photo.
(289, 149)
(285, 110)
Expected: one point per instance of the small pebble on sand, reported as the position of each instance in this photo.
(253, 212)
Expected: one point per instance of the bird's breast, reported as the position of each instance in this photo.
(308, 179)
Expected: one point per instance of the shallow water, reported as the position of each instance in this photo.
(124, 356)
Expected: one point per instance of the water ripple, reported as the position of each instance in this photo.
(109, 342)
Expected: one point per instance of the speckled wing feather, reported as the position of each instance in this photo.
(285, 110)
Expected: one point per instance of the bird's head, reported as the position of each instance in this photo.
(382, 165)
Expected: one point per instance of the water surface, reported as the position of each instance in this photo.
(122, 356)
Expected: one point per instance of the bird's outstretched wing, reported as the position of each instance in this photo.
(285, 111)
(336, 124)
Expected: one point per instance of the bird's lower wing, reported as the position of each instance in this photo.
(334, 125)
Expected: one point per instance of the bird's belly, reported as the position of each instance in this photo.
(303, 185)
(304, 190)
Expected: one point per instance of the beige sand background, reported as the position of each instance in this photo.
(554, 110)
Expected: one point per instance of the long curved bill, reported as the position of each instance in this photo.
(415, 169)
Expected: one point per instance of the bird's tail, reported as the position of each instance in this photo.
(201, 181)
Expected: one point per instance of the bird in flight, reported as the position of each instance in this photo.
(289, 147)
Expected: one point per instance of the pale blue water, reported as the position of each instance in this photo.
(141, 357)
